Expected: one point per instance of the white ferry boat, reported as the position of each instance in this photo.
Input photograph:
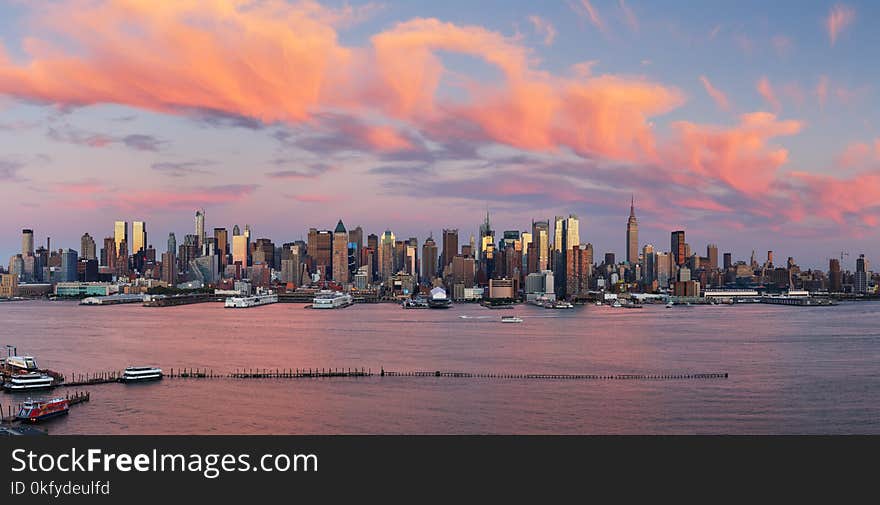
(22, 363)
(243, 302)
(29, 382)
(141, 374)
(511, 319)
(326, 299)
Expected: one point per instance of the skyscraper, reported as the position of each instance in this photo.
(120, 234)
(834, 276)
(386, 255)
(69, 260)
(712, 255)
(221, 238)
(108, 253)
(429, 259)
(87, 247)
(27, 242)
(450, 247)
(356, 237)
(860, 279)
(340, 254)
(567, 236)
(632, 234)
(172, 243)
(540, 246)
(679, 248)
(240, 248)
(139, 236)
(200, 226)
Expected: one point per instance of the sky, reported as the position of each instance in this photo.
(751, 125)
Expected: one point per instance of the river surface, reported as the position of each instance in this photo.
(791, 369)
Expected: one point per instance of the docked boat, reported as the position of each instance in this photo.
(669, 305)
(244, 302)
(511, 319)
(141, 374)
(28, 382)
(36, 411)
(616, 304)
(21, 363)
(558, 304)
(415, 303)
(438, 299)
(326, 299)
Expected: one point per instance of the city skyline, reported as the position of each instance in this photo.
(751, 126)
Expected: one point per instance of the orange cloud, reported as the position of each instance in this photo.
(766, 91)
(544, 28)
(840, 17)
(717, 95)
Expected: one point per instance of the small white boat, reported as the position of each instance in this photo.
(141, 374)
(616, 304)
(29, 381)
(511, 319)
(598, 304)
(327, 299)
(669, 305)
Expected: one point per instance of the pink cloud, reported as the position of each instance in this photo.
(839, 18)
(585, 9)
(629, 16)
(544, 28)
(766, 91)
(311, 198)
(717, 95)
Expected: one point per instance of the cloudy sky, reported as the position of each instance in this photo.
(753, 126)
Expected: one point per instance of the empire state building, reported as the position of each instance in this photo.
(632, 235)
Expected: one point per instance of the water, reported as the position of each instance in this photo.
(792, 369)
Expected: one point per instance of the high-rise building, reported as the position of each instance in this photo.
(172, 243)
(728, 261)
(835, 280)
(108, 253)
(69, 260)
(139, 236)
(120, 234)
(240, 248)
(567, 236)
(371, 257)
(386, 256)
(27, 242)
(649, 265)
(356, 237)
(450, 247)
(221, 238)
(320, 249)
(87, 247)
(429, 259)
(679, 248)
(540, 246)
(340, 272)
(200, 226)
(860, 279)
(169, 267)
(263, 252)
(712, 256)
(632, 235)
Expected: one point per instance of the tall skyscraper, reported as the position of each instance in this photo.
(566, 237)
(200, 226)
(649, 264)
(728, 260)
(139, 236)
(450, 247)
(221, 238)
(835, 280)
(340, 254)
(632, 234)
(429, 259)
(172, 243)
(860, 279)
(679, 248)
(386, 255)
(108, 253)
(712, 255)
(372, 257)
(69, 260)
(120, 234)
(540, 246)
(87, 247)
(356, 237)
(27, 242)
(240, 248)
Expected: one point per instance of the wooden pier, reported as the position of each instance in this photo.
(468, 375)
(89, 379)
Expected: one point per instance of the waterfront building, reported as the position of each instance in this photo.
(120, 234)
(502, 289)
(463, 271)
(8, 285)
(578, 271)
(339, 267)
(69, 260)
(85, 289)
(632, 235)
(87, 247)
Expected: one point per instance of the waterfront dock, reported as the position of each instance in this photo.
(9, 412)
(171, 301)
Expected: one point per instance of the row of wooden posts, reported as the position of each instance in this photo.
(11, 410)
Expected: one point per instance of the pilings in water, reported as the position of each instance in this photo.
(468, 375)
(89, 379)
(8, 413)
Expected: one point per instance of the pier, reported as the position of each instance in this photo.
(171, 301)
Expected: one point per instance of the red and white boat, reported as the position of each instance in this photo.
(33, 411)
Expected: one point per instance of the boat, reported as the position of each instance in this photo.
(327, 299)
(669, 305)
(35, 411)
(511, 319)
(21, 363)
(598, 304)
(438, 299)
(141, 374)
(616, 304)
(28, 382)
(243, 302)
(560, 304)
(415, 303)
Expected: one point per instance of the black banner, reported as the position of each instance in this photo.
(379, 468)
